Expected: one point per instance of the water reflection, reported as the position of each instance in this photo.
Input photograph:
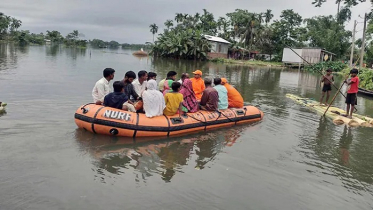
(344, 145)
(74, 53)
(9, 55)
(53, 50)
(335, 151)
(164, 157)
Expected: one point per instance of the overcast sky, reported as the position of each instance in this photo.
(128, 21)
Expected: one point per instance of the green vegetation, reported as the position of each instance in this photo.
(154, 29)
(135, 46)
(247, 62)
(336, 66)
(98, 43)
(73, 39)
(366, 79)
(365, 76)
(248, 32)
(9, 33)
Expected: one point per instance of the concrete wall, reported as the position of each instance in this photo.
(217, 47)
(211, 55)
(218, 50)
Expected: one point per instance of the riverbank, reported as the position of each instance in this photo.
(248, 62)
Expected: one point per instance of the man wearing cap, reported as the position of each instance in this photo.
(198, 84)
(235, 99)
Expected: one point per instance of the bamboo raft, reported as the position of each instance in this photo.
(333, 113)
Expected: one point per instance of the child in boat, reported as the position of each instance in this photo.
(171, 76)
(174, 100)
(327, 80)
(351, 99)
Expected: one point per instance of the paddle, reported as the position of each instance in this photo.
(335, 96)
(339, 91)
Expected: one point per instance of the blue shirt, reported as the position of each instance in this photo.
(223, 97)
(115, 100)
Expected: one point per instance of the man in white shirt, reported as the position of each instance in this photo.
(140, 84)
(101, 88)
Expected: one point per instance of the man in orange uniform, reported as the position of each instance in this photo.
(235, 99)
(198, 84)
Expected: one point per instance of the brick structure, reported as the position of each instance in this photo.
(211, 55)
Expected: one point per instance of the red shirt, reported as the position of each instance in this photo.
(354, 85)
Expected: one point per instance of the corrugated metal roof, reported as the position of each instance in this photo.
(216, 39)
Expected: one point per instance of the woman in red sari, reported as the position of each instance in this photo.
(190, 103)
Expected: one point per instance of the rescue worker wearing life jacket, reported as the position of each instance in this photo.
(198, 84)
(235, 99)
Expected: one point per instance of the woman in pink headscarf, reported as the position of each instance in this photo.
(190, 103)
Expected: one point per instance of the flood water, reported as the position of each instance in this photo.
(293, 159)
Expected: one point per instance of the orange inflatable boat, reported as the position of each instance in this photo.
(110, 121)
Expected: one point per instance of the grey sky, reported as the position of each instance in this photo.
(128, 21)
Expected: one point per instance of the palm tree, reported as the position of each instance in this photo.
(344, 15)
(268, 16)
(4, 24)
(154, 29)
(197, 16)
(169, 24)
(179, 17)
(15, 24)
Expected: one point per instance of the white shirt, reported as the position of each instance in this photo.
(139, 88)
(180, 81)
(100, 90)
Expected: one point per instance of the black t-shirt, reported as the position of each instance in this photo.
(130, 91)
(115, 100)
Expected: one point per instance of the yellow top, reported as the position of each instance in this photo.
(173, 101)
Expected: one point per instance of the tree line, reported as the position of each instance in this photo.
(9, 32)
(250, 31)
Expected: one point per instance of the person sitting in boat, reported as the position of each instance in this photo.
(101, 88)
(210, 97)
(327, 80)
(154, 103)
(139, 84)
(173, 100)
(118, 99)
(223, 94)
(161, 85)
(198, 84)
(152, 75)
(128, 87)
(235, 99)
(183, 77)
(171, 76)
(190, 103)
(351, 98)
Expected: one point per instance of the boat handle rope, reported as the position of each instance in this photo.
(84, 109)
(195, 118)
(221, 113)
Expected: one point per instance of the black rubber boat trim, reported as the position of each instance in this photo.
(137, 124)
(94, 117)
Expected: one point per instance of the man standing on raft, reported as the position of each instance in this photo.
(351, 98)
(327, 87)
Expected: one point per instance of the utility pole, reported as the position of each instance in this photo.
(363, 44)
(353, 45)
